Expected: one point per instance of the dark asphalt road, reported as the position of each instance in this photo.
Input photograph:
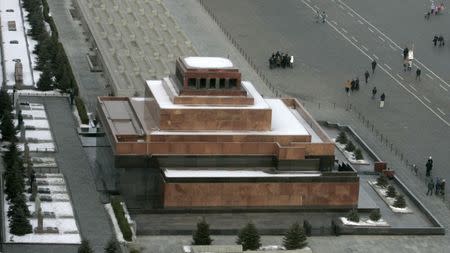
(329, 54)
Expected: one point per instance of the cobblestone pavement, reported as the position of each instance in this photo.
(341, 244)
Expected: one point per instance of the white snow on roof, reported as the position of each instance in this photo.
(208, 62)
(14, 51)
(172, 173)
(164, 101)
(283, 121)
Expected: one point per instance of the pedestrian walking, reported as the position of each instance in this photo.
(405, 53)
(357, 83)
(317, 16)
(374, 92)
(430, 160)
(415, 169)
(374, 65)
(435, 40)
(443, 187)
(382, 99)
(324, 17)
(353, 85)
(429, 167)
(437, 185)
(430, 187)
(348, 85)
(441, 40)
(418, 72)
(366, 76)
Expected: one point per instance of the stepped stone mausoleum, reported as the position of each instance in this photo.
(203, 138)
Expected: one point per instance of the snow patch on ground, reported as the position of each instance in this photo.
(39, 147)
(39, 135)
(35, 114)
(365, 222)
(39, 93)
(36, 123)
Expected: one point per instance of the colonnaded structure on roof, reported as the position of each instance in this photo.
(203, 138)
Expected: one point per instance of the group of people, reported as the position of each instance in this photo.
(321, 17)
(434, 9)
(281, 60)
(438, 40)
(353, 85)
(438, 185)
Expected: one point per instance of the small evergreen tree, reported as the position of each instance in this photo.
(16, 204)
(45, 82)
(382, 181)
(295, 237)
(353, 215)
(85, 247)
(391, 193)
(400, 202)
(375, 215)
(342, 138)
(350, 147)
(358, 154)
(202, 235)
(5, 102)
(14, 183)
(19, 224)
(112, 246)
(7, 128)
(249, 237)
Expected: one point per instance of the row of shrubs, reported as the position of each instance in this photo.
(382, 182)
(349, 146)
(52, 58)
(121, 219)
(81, 110)
(14, 172)
(353, 215)
(249, 238)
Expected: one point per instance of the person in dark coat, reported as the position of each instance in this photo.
(429, 167)
(382, 99)
(374, 65)
(441, 40)
(353, 85)
(374, 92)
(435, 40)
(405, 52)
(357, 83)
(430, 186)
(366, 76)
(418, 72)
(443, 187)
(437, 186)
